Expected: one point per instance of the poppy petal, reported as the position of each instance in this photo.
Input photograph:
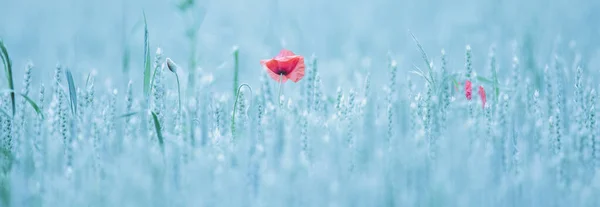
(274, 75)
(285, 52)
(271, 65)
(298, 72)
(482, 95)
(287, 64)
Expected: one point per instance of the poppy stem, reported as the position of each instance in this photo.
(178, 92)
(280, 86)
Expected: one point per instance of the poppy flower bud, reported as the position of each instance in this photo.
(171, 65)
(468, 90)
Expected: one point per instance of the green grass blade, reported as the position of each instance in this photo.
(8, 71)
(146, 59)
(423, 53)
(419, 69)
(128, 114)
(420, 74)
(425, 58)
(236, 69)
(87, 80)
(34, 106)
(159, 134)
(72, 92)
(484, 79)
(29, 100)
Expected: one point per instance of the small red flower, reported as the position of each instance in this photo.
(482, 95)
(468, 89)
(286, 65)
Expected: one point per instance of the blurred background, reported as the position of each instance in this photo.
(349, 38)
(107, 35)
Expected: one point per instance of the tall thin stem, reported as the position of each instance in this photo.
(280, 86)
(236, 69)
(178, 91)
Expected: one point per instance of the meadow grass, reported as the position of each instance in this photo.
(411, 140)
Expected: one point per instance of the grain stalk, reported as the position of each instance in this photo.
(392, 66)
(445, 102)
(39, 141)
(351, 140)
(593, 129)
(22, 136)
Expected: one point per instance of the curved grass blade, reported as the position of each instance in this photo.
(424, 56)
(159, 134)
(34, 106)
(72, 92)
(29, 100)
(235, 107)
(146, 59)
(456, 84)
(420, 74)
(8, 70)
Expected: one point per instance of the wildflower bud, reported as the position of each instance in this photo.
(468, 89)
(482, 95)
(171, 65)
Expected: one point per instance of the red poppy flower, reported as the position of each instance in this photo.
(468, 89)
(286, 65)
(482, 95)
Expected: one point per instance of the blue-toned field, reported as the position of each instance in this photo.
(397, 103)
